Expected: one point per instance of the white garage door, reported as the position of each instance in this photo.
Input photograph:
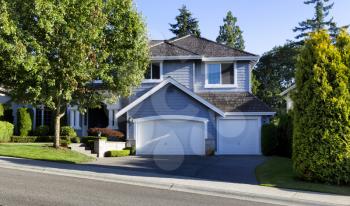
(239, 136)
(170, 137)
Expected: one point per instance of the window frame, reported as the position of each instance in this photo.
(220, 85)
(160, 73)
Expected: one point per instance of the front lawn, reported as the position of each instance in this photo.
(39, 151)
(278, 172)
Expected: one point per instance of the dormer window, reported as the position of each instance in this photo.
(220, 75)
(154, 72)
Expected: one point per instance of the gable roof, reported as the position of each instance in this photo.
(197, 47)
(156, 88)
(236, 102)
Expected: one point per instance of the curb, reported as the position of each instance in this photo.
(162, 182)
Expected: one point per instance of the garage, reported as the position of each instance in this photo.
(239, 135)
(170, 135)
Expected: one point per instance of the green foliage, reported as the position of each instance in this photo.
(319, 21)
(321, 135)
(132, 150)
(2, 110)
(269, 139)
(68, 131)
(230, 34)
(24, 121)
(75, 139)
(42, 130)
(274, 73)
(51, 51)
(185, 24)
(30, 139)
(284, 124)
(117, 153)
(6, 131)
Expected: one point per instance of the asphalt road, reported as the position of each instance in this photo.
(30, 188)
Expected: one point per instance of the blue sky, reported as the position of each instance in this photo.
(265, 23)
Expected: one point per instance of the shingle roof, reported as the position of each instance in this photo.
(168, 49)
(195, 46)
(236, 102)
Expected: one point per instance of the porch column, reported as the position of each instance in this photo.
(112, 121)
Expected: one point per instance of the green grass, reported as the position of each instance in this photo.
(44, 151)
(278, 172)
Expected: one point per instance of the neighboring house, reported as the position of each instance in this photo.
(195, 99)
(286, 95)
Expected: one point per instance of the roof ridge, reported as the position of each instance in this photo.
(180, 47)
(229, 47)
(179, 38)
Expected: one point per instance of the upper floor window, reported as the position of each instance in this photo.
(220, 75)
(154, 72)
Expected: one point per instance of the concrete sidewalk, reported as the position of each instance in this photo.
(176, 183)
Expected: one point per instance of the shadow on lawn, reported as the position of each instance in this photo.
(234, 169)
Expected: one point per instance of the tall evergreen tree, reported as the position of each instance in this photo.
(185, 24)
(319, 21)
(321, 136)
(230, 34)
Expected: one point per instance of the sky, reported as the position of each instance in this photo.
(265, 23)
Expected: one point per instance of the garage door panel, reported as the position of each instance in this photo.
(238, 136)
(170, 137)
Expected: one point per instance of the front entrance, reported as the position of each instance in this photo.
(98, 117)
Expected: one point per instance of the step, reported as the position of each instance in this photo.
(80, 147)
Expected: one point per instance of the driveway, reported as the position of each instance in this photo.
(237, 169)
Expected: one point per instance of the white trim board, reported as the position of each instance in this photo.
(161, 85)
(249, 114)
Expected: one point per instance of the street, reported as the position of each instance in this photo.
(30, 188)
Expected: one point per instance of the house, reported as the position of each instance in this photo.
(195, 99)
(286, 96)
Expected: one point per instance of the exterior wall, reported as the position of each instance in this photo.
(102, 146)
(243, 79)
(172, 101)
(181, 71)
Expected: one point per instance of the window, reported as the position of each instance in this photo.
(220, 75)
(153, 72)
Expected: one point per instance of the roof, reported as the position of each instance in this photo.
(236, 102)
(287, 90)
(191, 45)
(156, 88)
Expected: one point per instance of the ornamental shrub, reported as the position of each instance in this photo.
(106, 132)
(269, 140)
(24, 122)
(321, 135)
(6, 131)
(117, 153)
(68, 131)
(2, 110)
(42, 130)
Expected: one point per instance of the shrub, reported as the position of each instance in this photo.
(42, 130)
(45, 139)
(68, 131)
(6, 131)
(24, 122)
(89, 141)
(2, 110)
(321, 133)
(285, 135)
(75, 139)
(24, 139)
(117, 153)
(131, 149)
(64, 143)
(269, 139)
(106, 132)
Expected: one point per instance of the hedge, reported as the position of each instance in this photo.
(269, 141)
(132, 150)
(6, 131)
(24, 122)
(31, 139)
(2, 110)
(117, 153)
(105, 132)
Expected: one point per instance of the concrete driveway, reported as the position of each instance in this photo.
(237, 169)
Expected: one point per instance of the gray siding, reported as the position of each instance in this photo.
(242, 79)
(180, 71)
(172, 101)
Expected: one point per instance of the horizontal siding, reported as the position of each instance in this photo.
(242, 79)
(180, 71)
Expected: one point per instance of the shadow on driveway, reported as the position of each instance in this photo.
(235, 169)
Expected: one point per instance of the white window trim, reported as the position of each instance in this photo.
(234, 85)
(160, 71)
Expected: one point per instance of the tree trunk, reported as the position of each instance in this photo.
(58, 116)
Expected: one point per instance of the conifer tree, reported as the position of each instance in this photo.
(185, 24)
(230, 34)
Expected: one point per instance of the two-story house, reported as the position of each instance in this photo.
(195, 99)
